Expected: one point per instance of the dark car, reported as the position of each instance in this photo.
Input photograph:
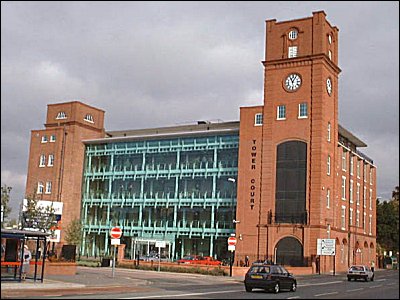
(269, 277)
(360, 272)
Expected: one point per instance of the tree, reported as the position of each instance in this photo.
(5, 207)
(73, 233)
(38, 217)
(387, 223)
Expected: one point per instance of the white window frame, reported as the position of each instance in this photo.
(40, 188)
(370, 176)
(52, 138)
(61, 115)
(343, 217)
(88, 118)
(278, 110)
(292, 52)
(351, 217)
(328, 172)
(299, 115)
(48, 187)
(329, 39)
(344, 160)
(370, 199)
(358, 218)
(330, 54)
(42, 161)
(365, 172)
(44, 139)
(358, 168)
(364, 221)
(351, 191)
(258, 119)
(328, 198)
(365, 197)
(343, 187)
(293, 34)
(358, 194)
(351, 164)
(50, 161)
(329, 131)
(370, 224)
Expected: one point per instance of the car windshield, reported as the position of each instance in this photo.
(357, 268)
(260, 269)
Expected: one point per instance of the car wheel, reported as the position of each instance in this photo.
(276, 288)
(366, 278)
(248, 289)
(348, 279)
(294, 287)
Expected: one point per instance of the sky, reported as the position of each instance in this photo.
(153, 64)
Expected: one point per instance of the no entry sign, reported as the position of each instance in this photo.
(115, 233)
(231, 241)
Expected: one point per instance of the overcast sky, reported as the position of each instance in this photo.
(150, 64)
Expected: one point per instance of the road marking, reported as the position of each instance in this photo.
(325, 294)
(355, 290)
(53, 295)
(380, 280)
(375, 286)
(295, 297)
(392, 283)
(185, 295)
(322, 283)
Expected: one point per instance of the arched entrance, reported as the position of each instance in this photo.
(289, 251)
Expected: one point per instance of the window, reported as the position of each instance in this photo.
(89, 118)
(364, 217)
(48, 187)
(328, 198)
(358, 168)
(329, 132)
(343, 217)
(42, 162)
(44, 139)
(351, 191)
(258, 120)
(330, 54)
(303, 110)
(293, 34)
(358, 194)
(53, 138)
(343, 188)
(365, 172)
(344, 160)
(329, 39)
(281, 112)
(358, 218)
(365, 196)
(370, 175)
(292, 52)
(40, 188)
(50, 162)
(351, 217)
(370, 224)
(351, 164)
(61, 115)
(328, 165)
(370, 199)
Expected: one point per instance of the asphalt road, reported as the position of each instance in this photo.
(135, 284)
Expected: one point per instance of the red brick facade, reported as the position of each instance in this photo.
(315, 62)
(69, 123)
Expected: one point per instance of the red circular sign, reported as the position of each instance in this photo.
(115, 232)
(231, 241)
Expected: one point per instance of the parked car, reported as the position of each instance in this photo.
(189, 259)
(360, 272)
(269, 277)
(209, 260)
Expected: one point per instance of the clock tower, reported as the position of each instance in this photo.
(288, 179)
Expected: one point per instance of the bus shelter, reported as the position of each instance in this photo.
(12, 249)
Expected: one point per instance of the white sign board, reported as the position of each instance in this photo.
(115, 241)
(326, 246)
(160, 244)
(231, 248)
(55, 236)
(57, 206)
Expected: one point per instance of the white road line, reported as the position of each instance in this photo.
(392, 283)
(355, 290)
(322, 283)
(375, 286)
(53, 295)
(184, 295)
(295, 297)
(325, 294)
(380, 280)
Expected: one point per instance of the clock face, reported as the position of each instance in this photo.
(329, 86)
(293, 82)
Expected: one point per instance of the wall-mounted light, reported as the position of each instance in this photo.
(240, 237)
(236, 221)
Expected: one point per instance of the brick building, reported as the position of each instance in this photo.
(297, 173)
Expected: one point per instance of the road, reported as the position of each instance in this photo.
(160, 285)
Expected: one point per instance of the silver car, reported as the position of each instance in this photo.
(360, 272)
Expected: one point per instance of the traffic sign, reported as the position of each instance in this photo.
(115, 233)
(232, 241)
(326, 247)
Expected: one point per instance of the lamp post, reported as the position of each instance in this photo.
(233, 180)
